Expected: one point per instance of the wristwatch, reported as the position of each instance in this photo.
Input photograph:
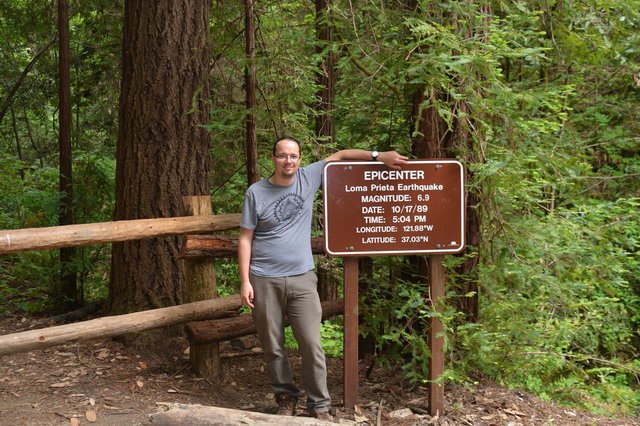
(374, 155)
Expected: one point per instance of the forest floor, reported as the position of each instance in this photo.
(103, 382)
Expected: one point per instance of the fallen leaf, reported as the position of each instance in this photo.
(143, 365)
(360, 419)
(514, 412)
(91, 416)
(92, 401)
(60, 385)
(74, 422)
(140, 383)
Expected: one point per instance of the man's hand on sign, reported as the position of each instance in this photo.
(393, 160)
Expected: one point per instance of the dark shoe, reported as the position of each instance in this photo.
(324, 416)
(286, 405)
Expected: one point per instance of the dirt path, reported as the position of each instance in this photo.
(103, 382)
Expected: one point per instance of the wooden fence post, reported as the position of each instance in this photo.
(200, 278)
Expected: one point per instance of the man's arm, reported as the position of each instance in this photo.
(245, 242)
(391, 159)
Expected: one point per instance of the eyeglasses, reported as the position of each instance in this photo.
(284, 157)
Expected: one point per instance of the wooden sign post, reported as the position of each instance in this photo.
(436, 338)
(350, 367)
(372, 210)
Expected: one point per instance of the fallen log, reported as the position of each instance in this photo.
(218, 330)
(195, 414)
(206, 246)
(118, 325)
(19, 240)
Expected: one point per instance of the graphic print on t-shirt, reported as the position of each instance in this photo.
(287, 210)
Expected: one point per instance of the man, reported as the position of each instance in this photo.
(276, 269)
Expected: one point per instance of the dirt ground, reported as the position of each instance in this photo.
(103, 382)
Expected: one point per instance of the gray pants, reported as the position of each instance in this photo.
(297, 298)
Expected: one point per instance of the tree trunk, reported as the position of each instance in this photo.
(66, 296)
(430, 135)
(250, 94)
(325, 123)
(162, 152)
(433, 139)
(463, 138)
(14, 124)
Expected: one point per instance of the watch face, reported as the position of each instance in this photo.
(374, 155)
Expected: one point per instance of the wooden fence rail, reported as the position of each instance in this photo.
(118, 325)
(19, 240)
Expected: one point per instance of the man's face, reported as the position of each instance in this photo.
(286, 160)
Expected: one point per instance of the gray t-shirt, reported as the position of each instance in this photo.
(281, 219)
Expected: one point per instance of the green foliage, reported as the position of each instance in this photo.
(29, 198)
(331, 334)
(559, 300)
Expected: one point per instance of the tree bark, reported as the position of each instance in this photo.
(162, 150)
(432, 138)
(250, 93)
(325, 122)
(14, 125)
(464, 139)
(66, 295)
(117, 325)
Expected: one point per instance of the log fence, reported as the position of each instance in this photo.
(196, 249)
(206, 316)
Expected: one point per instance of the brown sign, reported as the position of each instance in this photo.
(370, 209)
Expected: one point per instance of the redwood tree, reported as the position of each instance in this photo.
(162, 152)
(67, 296)
(251, 136)
(433, 137)
(325, 122)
